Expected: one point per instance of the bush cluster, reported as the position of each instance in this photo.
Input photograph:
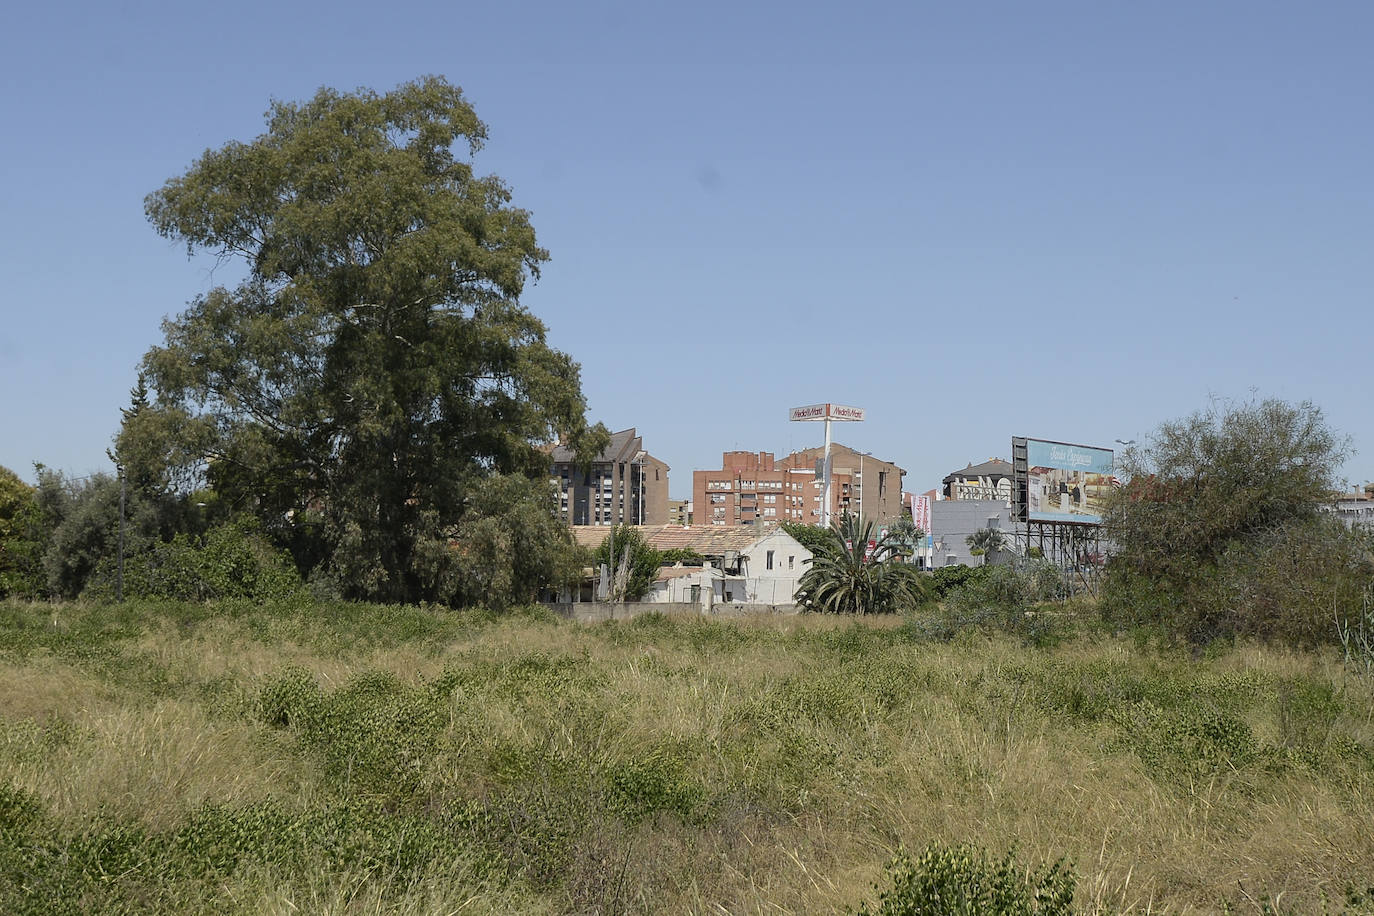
(1015, 599)
(1219, 532)
(965, 880)
(113, 866)
(232, 561)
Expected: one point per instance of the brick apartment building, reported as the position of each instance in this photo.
(754, 487)
(623, 484)
(864, 485)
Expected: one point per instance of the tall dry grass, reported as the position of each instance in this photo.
(668, 766)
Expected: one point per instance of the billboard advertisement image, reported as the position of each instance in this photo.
(1067, 483)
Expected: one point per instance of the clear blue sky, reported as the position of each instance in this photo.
(977, 220)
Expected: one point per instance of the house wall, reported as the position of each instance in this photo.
(777, 585)
(679, 590)
(1353, 512)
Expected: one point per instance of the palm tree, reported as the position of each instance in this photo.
(904, 533)
(847, 578)
(985, 541)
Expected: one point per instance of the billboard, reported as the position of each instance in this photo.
(826, 412)
(1067, 483)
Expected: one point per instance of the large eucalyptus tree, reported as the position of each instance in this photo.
(375, 365)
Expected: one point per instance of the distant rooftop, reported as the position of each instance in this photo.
(707, 540)
(993, 467)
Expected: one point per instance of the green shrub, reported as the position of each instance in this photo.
(1194, 739)
(292, 698)
(645, 786)
(964, 881)
(232, 561)
(374, 736)
(948, 578)
(1004, 597)
(114, 866)
(1219, 534)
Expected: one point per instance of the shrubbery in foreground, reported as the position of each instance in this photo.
(965, 881)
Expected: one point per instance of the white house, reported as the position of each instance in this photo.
(744, 565)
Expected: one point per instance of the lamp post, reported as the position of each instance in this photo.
(1126, 442)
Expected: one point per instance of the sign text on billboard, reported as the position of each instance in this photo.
(826, 412)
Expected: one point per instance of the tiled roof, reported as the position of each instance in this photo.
(676, 572)
(615, 450)
(707, 540)
(994, 467)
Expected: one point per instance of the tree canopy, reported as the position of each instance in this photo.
(1218, 531)
(20, 552)
(375, 366)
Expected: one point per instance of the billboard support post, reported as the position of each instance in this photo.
(826, 412)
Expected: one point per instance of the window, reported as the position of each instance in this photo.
(696, 594)
(790, 561)
(768, 564)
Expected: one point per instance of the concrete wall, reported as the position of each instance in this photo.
(596, 612)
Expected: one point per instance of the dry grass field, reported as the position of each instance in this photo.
(165, 758)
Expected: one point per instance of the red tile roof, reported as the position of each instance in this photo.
(707, 540)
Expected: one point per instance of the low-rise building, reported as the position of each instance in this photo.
(679, 512)
(742, 565)
(953, 520)
(1354, 509)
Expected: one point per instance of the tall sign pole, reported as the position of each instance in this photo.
(826, 413)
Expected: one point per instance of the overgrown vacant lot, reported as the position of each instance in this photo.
(180, 758)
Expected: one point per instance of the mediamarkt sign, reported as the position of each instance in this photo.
(826, 412)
